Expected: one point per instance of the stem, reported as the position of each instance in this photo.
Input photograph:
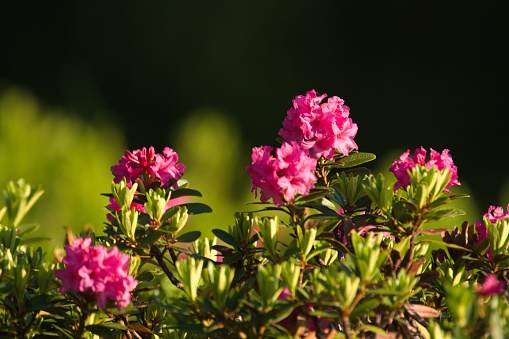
(346, 324)
(173, 255)
(160, 260)
(83, 319)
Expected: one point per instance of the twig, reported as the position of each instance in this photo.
(160, 260)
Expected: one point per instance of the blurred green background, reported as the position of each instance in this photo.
(82, 81)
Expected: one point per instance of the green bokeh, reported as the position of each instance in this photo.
(70, 159)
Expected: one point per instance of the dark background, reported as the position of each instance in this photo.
(430, 73)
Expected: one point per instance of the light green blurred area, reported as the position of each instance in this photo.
(71, 159)
(215, 156)
(68, 158)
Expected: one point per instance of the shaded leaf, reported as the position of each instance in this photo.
(232, 258)
(197, 208)
(225, 237)
(185, 192)
(189, 237)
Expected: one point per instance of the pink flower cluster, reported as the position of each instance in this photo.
(319, 127)
(490, 286)
(311, 129)
(280, 177)
(151, 167)
(494, 213)
(401, 167)
(95, 271)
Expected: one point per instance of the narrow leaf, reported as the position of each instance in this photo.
(197, 208)
(185, 192)
(189, 237)
(225, 237)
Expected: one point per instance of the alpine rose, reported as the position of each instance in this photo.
(401, 167)
(151, 167)
(319, 127)
(97, 272)
(291, 171)
(494, 213)
(490, 286)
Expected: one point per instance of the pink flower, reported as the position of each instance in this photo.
(490, 286)
(290, 172)
(320, 128)
(151, 167)
(496, 213)
(97, 272)
(401, 167)
(493, 214)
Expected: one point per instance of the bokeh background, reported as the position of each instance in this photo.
(80, 82)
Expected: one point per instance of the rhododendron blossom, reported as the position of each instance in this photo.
(149, 166)
(98, 272)
(401, 168)
(493, 214)
(319, 127)
(496, 213)
(490, 286)
(279, 177)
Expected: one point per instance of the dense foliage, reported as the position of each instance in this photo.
(330, 251)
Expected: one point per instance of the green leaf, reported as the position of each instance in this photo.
(321, 206)
(225, 237)
(189, 237)
(355, 159)
(314, 194)
(114, 325)
(357, 171)
(441, 243)
(197, 208)
(185, 192)
(326, 314)
(441, 213)
(232, 258)
(374, 329)
(338, 245)
(146, 276)
(39, 302)
(26, 229)
(364, 307)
